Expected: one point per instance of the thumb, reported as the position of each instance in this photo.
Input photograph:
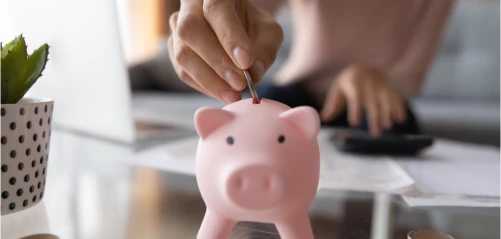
(334, 103)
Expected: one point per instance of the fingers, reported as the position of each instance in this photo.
(194, 70)
(365, 88)
(373, 113)
(335, 102)
(203, 74)
(210, 45)
(391, 109)
(398, 111)
(229, 28)
(196, 33)
(354, 103)
(173, 21)
(385, 106)
(181, 73)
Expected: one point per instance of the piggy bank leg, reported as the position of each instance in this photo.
(215, 226)
(296, 227)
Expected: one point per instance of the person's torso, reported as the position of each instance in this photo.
(332, 34)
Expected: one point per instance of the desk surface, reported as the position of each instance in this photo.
(92, 192)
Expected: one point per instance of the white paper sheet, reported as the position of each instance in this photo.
(452, 174)
(340, 171)
(454, 168)
(419, 199)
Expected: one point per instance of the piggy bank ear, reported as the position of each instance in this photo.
(208, 119)
(303, 118)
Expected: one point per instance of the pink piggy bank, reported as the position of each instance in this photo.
(257, 162)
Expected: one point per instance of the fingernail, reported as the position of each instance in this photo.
(229, 96)
(259, 65)
(242, 56)
(235, 80)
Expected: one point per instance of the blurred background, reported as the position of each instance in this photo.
(460, 99)
(96, 189)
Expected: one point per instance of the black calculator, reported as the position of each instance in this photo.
(358, 141)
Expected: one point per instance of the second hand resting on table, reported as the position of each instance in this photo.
(212, 41)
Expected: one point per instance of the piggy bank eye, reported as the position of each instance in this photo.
(281, 139)
(230, 140)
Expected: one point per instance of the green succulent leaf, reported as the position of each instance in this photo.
(8, 47)
(35, 65)
(20, 71)
(4, 88)
(13, 71)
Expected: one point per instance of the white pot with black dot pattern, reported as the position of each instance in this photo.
(26, 130)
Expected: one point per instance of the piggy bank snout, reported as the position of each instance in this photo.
(254, 187)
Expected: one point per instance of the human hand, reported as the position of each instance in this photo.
(361, 88)
(213, 40)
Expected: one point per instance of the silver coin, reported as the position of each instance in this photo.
(427, 234)
(255, 98)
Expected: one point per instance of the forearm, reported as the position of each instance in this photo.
(408, 75)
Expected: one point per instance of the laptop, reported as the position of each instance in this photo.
(86, 74)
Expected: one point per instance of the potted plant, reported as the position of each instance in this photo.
(26, 127)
